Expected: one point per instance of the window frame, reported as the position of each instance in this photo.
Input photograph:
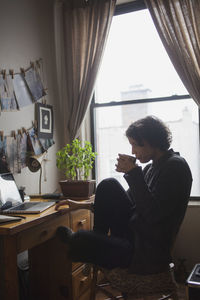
(123, 9)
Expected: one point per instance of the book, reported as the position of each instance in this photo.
(4, 219)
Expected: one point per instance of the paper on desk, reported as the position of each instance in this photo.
(4, 219)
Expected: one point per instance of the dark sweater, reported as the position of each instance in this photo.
(160, 193)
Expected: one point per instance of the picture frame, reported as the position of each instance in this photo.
(44, 118)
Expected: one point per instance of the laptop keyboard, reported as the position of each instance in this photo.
(24, 206)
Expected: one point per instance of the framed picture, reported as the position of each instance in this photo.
(44, 116)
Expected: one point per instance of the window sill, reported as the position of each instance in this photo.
(194, 202)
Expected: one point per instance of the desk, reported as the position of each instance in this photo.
(49, 265)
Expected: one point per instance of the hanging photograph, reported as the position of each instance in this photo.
(7, 104)
(8, 101)
(34, 84)
(23, 149)
(7, 98)
(4, 168)
(10, 92)
(44, 116)
(35, 143)
(21, 91)
(2, 83)
(46, 143)
(19, 163)
(12, 154)
(2, 144)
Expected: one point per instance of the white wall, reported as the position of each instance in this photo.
(187, 245)
(27, 34)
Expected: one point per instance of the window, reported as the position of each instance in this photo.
(137, 79)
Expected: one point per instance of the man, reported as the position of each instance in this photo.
(143, 222)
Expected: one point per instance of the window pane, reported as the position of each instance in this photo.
(135, 64)
(112, 122)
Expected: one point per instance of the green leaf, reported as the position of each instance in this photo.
(76, 161)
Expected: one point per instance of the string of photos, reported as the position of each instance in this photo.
(16, 91)
(16, 148)
(22, 88)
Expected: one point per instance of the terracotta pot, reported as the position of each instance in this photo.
(78, 189)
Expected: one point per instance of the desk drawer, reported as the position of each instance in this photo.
(85, 296)
(80, 283)
(76, 265)
(40, 233)
(80, 219)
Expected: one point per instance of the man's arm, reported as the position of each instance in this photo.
(74, 205)
(169, 192)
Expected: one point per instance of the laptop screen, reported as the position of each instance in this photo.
(8, 189)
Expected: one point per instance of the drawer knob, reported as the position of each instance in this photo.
(83, 280)
(82, 222)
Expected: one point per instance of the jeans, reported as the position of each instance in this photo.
(110, 244)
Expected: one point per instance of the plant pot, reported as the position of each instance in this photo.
(78, 189)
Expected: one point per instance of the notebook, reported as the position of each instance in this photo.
(11, 201)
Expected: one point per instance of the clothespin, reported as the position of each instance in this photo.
(35, 124)
(1, 135)
(3, 72)
(38, 63)
(13, 134)
(44, 101)
(22, 71)
(20, 132)
(32, 64)
(11, 72)
(24, 130)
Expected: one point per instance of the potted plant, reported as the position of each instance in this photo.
(76, 162)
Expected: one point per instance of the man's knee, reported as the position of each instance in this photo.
(108, 184)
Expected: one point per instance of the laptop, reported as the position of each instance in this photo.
(11, 201)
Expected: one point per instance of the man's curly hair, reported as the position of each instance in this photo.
(152, 130)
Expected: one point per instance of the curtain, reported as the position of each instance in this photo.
(81, 30)
(178, 24)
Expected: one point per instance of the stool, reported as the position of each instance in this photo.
(159, 286)
(193, 284)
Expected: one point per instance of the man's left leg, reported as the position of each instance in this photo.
(99, 249)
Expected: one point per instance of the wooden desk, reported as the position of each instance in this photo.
(49, 265)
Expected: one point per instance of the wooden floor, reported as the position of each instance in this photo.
(181, 293)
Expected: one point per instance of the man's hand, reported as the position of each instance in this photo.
(125, 163)
(72, 204)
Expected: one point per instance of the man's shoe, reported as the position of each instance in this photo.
(64, 233)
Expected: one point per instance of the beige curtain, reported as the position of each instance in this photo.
(81, 30)
(178, 24)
